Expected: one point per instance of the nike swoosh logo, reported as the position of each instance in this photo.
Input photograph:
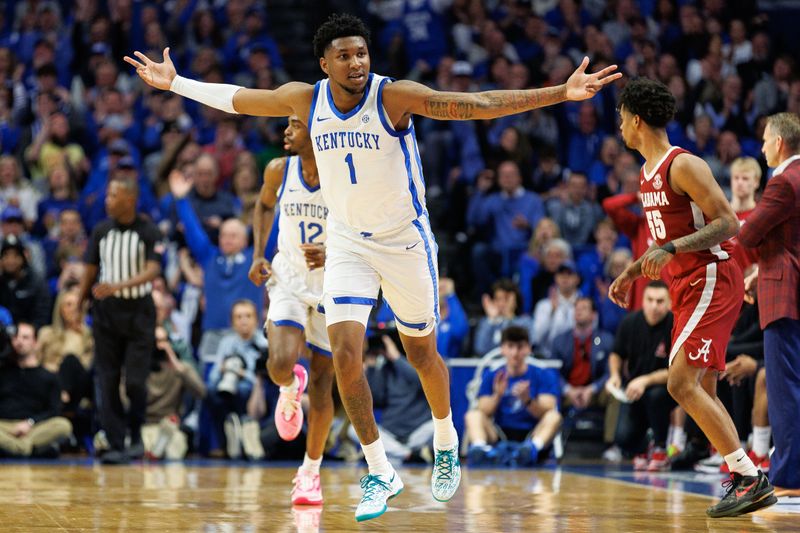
(320, 119)
(411, 246)
(740, 493)
(693, 283)
(293, 190)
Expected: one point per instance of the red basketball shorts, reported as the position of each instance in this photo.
(706, 304)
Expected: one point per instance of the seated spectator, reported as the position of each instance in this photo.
(61, 195)
(232, 374)
(554, 253)
(406, 426)
(168, 383)
(12, 223)
(67, 234)
(592, 261)
(66, 348)
(640, 362)
(453, 326)
(15, 190)
(29, 401)
(509, 217)
(556, 314)
(501, 310)
(21, 292)
(517, 401)
(574, 213)
(225, 267)
(583, 353)
(610, 313)
(530, 263)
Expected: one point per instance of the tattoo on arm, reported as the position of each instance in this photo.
(490, 104)
(717, 231)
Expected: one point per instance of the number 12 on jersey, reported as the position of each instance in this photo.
(657, 229)
(349, 159)
(314, 231)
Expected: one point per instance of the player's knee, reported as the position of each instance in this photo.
(422, 359)
(678, 388)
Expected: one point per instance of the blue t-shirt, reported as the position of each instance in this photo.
(511, 413)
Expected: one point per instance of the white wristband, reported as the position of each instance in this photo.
(216, 95)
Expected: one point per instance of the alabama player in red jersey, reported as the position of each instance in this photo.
(690, 221)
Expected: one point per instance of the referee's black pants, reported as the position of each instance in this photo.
(124, 338)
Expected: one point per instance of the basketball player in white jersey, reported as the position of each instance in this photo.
(379, 235)
(294, 282)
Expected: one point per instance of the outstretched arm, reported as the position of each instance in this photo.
(294, 97)
(406, 97)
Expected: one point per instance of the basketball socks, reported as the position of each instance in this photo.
(294, 386)
(740, 463)
(444, 433)
(376, 458)
(677, 437)
(311, 465)
(761, 436)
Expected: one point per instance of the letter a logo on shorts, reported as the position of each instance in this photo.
(704, 351)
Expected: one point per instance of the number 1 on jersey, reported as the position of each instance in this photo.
(352, 167)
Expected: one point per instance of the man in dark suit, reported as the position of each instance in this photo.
(774, 227)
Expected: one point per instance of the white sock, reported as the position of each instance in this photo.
(376, 458)
(678, 438)
(761, 436)
(311, 465)
(444, 432)
(479, 443)
(740, 463)
(293, 387)
(538, 442)
(670, 434)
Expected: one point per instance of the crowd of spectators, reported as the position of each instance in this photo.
(535, 213)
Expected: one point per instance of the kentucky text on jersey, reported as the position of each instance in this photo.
(654, 199)
(347, 139)
(302, 209)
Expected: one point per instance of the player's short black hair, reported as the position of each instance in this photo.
(337, 26)
(650, 99)
(656, 284)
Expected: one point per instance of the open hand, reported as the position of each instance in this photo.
(581, 86)
(620, 288)
(158, 75)
(179, 184)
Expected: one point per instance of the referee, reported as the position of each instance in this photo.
(123, 250)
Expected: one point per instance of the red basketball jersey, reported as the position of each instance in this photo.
(671, 216)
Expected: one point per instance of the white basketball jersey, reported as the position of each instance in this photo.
(371, 175)
(302, 215)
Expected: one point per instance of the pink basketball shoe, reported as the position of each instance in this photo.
(307, 489)
(288, 412)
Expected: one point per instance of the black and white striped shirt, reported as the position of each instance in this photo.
(121, 252)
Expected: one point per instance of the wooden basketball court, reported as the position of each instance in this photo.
(219, 497)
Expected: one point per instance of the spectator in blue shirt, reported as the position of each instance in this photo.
(517, 400)
(575, 214)
(509, 216)
(225, 267)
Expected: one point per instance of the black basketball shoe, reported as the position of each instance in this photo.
(745, 495)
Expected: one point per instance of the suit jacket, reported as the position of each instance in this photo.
(602, 346)
(774, 227)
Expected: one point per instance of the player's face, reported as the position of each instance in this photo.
(346, 62)
(295, 136)
(627, 128)
(771, 148)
